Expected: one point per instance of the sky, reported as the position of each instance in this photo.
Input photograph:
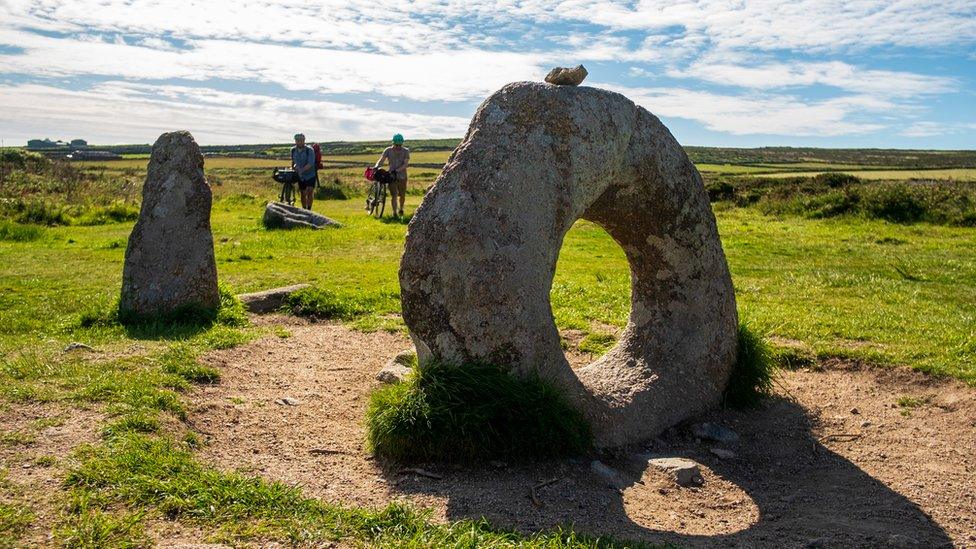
(737, 73)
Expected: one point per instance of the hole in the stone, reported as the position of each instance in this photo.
(590, 294)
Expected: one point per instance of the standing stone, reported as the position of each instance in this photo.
(169, 261)
(482, 248)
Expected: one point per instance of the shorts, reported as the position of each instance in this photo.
(399, 185)
(306, 184)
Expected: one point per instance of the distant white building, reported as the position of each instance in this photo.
(93, 155)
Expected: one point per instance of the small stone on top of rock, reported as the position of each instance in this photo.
(565, 76)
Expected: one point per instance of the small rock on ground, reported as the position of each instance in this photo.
(608, 473)
(722, 453)
(714, 432)
(393, 373)
(75, 346)
(397, 369)
(685, 472)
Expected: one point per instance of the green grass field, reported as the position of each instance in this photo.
(890, 293)
(897, 295)
(956, 174)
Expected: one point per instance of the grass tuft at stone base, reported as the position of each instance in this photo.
(230, 312)
(472, 413)
(752, 373)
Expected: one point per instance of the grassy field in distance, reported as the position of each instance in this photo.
(957, 174)
(863, 171)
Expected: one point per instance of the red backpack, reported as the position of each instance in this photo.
(318, 155)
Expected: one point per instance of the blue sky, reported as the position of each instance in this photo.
(827, 73)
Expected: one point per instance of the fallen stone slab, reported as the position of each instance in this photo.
(278, 215)
(398, 368)
(685, 472)
(269, 300)
(566, 76)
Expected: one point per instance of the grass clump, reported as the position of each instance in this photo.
(177, 323)
(597, 344)
(752, 373)
(116, 212)
(181, 361)
(333, 191)
(472, 413)
(912, 402)
(16, 232)
(85, 524)
(15, 518)
(326, 304)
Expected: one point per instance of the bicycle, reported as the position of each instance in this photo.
(287, 177)
(376, 197)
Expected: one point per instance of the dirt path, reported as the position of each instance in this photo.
(832, 461)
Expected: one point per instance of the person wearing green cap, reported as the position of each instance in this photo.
(303, 161)
(399, 158)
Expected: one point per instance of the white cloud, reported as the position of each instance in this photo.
(792, 25)
(744, 115)
(125, 112)
(833, 73)
(433, 25)
(447, 76)
(931, 129)
(925, 129)
(454, 50)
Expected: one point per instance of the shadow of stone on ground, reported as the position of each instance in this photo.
(783, 488)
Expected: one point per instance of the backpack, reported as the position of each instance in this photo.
(318, 156)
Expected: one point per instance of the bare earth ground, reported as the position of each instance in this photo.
(831, 461)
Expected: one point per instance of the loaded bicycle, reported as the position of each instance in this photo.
(376, 197)
(287, 177)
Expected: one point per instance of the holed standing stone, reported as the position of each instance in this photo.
(169, 261)
(482, 248)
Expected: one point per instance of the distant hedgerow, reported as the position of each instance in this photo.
(838, 194)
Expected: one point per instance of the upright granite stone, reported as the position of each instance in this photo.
(169, 261)
(481, 252)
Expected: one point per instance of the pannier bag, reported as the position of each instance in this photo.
(286, 175)
(379, 174)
